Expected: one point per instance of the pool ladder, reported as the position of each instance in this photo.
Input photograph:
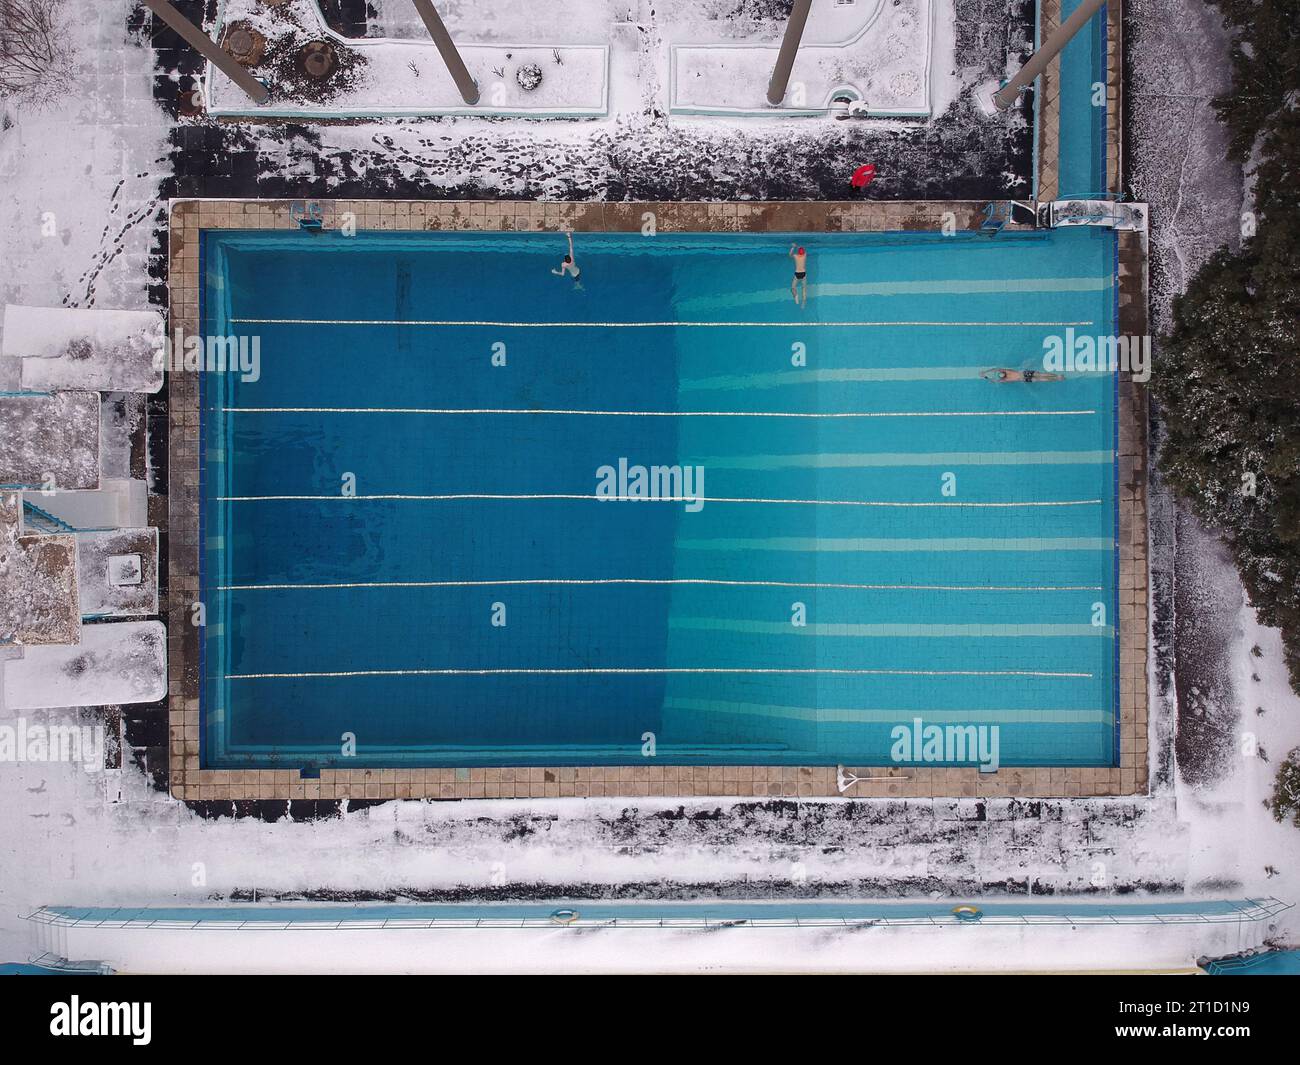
(307, 213)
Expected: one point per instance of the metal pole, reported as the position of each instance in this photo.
(1006, 95)
(447, 49)
(205, 46)
(789, 49)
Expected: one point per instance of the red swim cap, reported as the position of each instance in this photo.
(801, 251)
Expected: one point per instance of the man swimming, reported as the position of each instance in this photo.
(800, 258)
(1027, 376)
(568, 266)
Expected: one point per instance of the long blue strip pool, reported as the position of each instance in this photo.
(406, 561)
(631, 914)
(1081, 161)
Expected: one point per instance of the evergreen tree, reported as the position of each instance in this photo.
(1285, 802)
(1228, 377)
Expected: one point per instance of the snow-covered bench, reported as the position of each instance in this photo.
(70, 348)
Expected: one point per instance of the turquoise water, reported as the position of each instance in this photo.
(632, 914)
(1270, 963)
(828, 589)
(1082, 123)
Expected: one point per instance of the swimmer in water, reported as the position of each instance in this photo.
(800, 258)
(1029, 377)
(568, 266)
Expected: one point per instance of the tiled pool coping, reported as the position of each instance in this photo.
(188, 218)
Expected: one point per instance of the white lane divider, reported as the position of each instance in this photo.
(451, 497)
(669, 580)
(656, 671)
(664, 413)
(641, 325)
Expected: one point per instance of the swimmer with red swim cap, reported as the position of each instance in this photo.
(800, 258)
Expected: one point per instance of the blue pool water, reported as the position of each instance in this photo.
(377, 614)
(633, 914)
(1082, 122)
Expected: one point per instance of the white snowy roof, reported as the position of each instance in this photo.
(38, 582)
(50, 440)
(76, 348)
(407, 76)
(115, 662)
(117, 572)
(875, 53)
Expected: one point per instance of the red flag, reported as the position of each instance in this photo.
(862, 176)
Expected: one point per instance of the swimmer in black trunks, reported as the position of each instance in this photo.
(1029, 377)
(800, 258)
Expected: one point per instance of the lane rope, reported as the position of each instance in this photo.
(618, 670)
(509, 497)
(664, 413)
(478, 323)
(668, 580)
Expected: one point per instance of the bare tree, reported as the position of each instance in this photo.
(35, 57)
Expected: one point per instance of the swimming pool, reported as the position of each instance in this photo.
(1082, 114)
(406, 562)
(633, 914)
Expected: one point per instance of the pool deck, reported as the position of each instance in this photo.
(188, 781)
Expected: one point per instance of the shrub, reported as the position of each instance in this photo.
(35, 55)
(1228, 377)
(1285, 802)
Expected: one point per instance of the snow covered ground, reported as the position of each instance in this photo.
(1230, 698)
(639, 150)
(637, 950)
(1177, 151)
(97, 164)
(80, 181)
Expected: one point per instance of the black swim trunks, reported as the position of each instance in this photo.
(1029, 375)
(799, 275)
